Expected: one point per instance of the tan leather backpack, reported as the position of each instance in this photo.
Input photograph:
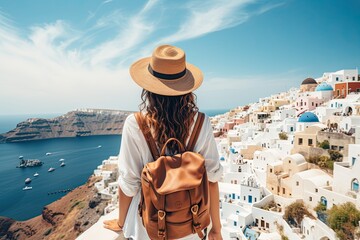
(174, 189)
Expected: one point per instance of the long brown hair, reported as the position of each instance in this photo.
(169, 116)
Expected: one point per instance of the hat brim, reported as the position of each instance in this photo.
(186, 84)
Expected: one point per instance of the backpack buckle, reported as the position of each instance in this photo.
(161, 233)
(161, 214)
(194, 209)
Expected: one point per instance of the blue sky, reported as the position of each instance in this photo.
(56, 56)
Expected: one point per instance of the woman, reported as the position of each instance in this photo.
(170, 110)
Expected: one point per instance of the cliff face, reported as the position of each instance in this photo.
(65, 218)
(73, 124)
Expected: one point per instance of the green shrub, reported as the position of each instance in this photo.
(325, 144)
(335, 155)
(320, 207)
(344, 219)
(47, 232)
(283, 136)
(295, 213)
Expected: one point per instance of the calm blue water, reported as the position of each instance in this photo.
(81, 157)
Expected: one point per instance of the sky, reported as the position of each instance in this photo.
(57, 56)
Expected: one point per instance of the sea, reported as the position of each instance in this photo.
(81, 155)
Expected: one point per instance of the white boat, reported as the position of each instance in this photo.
(99, 146)
(36, 174)
(27, 188)
(62, 164)
(21, 157)
(48, 153)
(51, 169)
(28, 180)
(61, 159)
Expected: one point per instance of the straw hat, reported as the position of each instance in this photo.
(166, 72)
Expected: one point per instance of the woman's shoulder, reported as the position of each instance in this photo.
(130, 122)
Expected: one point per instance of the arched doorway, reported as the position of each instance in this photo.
(323, 201)
(355, 185)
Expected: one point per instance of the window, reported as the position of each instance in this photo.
(291, 129)
(244, 198)
(337, 79)
(300, 141)
(310, 199)
(235, 223)
(297, 183)
(310, 142)
(271, 170)
(267, 225)
(283, 190)
(312, 104)
(316, 190)
(353, 160)
(353, 78)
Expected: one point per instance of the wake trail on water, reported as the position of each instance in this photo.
(71, 151)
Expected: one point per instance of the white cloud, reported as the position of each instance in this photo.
(210, 16)
(53, 69)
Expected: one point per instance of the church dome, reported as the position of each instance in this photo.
(308, 81)
(308, 117)
(324, 87)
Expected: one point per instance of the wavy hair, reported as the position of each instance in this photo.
(169, 116)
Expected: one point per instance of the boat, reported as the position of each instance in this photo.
(27, 188)
(61, 159)
(28, 180)
(99, 146)
(21, 157)
(51, 169)
(48, 153)
(36, 174)
(24, 163)
(62, 164)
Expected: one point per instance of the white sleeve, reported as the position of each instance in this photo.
(129, 163)
(206, 146)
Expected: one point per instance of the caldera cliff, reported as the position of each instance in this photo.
(86, 122)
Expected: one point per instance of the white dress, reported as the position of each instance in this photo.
(134, 154)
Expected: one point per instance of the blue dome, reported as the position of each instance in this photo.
(222, 158)
(308, 117)
(324, 87)
(232, 150)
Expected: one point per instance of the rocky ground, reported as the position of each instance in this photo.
(77, 123)
(65, 218)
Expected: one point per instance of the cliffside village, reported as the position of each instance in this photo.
(300, 146)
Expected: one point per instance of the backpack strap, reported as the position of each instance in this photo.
(196, 131)
(194, 212)
(148, 136)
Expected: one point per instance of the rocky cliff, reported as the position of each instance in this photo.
(65, 218)
(77, 123)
